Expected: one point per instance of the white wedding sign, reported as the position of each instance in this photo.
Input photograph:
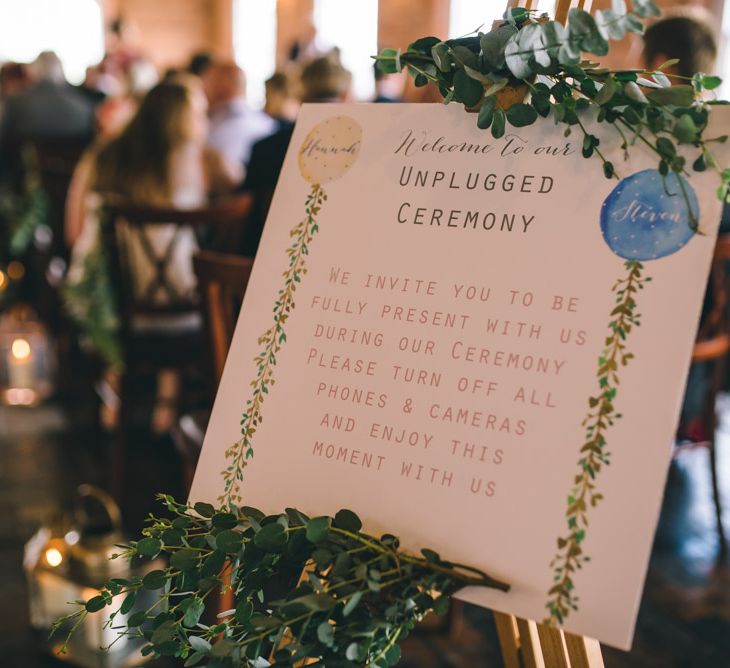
(478, 345)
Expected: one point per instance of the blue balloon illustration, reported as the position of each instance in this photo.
(647, 216)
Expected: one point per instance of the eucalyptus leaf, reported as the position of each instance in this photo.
(606, 92)
(569, 53)
(128, 602)
(149, 547)
(521, 115)
(194, 659)
(493, 44)
(204, 509)
(610, 24)
(678, 96)
(424, 45)
(486, 112)
(441, 56)
(224, 520)
(467, 90)
(347, 520)
(318, 529)
(498, 85)
(199, 644)
(553, 36)
(326, 634)
(662, 79)
(711, 82)
(271, 537)
(185, 559)
(164, 632)
(464, 56)
(685, 130)
(477, 75)
(154, 580)
(229, 541)
(95, 604)
(352, 603)
(498, 124)
(243, 612)
(645, 8)
(517, 61)
(583, 32)
(634, 93)
(193, 612)
(388, 61)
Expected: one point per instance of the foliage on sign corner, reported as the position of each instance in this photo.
(594, 455)
(491, 72)
(271, 340)
(304, 589)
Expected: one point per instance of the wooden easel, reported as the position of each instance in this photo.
(526, 644)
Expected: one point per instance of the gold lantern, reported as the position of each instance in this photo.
(27, 361)
(71, 561)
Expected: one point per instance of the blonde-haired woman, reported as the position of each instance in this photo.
(159, 158)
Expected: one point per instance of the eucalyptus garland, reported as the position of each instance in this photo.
(26, 211)
(493, 72)
(316, 589)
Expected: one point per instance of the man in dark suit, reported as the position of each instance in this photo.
(50, 109)
(323, 80)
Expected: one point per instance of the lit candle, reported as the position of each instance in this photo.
(21, 373)
(54, 590)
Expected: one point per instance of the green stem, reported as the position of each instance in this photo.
(391, 643)
(238, 454)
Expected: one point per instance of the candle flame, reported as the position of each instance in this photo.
(53, 557)
(20, 349)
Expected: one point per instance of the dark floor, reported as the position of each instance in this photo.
(684, 620)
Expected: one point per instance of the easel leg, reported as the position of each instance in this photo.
(583, 652)
(525, 644)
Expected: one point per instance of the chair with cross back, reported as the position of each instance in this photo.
(150, 253)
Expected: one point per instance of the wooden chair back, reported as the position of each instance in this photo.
(222, 281)
(122, 218)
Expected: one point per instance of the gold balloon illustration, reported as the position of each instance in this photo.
(330, 149)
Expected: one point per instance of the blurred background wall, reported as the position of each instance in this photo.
(259, 34)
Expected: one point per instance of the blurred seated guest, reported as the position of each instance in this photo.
(122, 45)
(171, 73)
(281, 103)
(14, 78)
(199, 63)
(323, 80)
(117, 110)
(48, 109)
(98, 83)
(305, 48)
(234, 126)
(685, 35)
(389, 87)
(160, 158)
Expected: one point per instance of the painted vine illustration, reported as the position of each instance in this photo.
(272, 339)
(593, 454)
